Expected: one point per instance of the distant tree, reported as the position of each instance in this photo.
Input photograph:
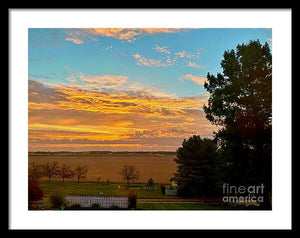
(35, 172)
(81, 172)
(65, 171)
(150, 183)
(240, 103)
(51, 170)
(98, 180)
(196, 167)
(129, 173)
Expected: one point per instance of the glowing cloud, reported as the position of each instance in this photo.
(124, 34)
(135, 116)
(74, 40)
(196, 79)
(103, 81)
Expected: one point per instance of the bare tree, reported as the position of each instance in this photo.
(51, 170)
(35, 172)
(129, 173)
(65, 171)
(98, 180)
(80, 172)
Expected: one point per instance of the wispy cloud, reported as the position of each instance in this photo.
(162, 49)
(108, 48)
(102, 81)
(188, 55)
(74, 40)
(99, 82)
(78, 36)
(141, 60)
(124, 34)
(169, 59)
(200, 80)
(194, 65)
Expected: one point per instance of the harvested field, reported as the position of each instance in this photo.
(159, 166)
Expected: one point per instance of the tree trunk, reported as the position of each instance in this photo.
(267, 204)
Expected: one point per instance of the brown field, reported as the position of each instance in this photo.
(159, 166)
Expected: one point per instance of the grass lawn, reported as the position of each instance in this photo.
(94, 189)
(179, 206)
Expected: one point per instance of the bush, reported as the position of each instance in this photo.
(75, 206)
(57, 199)
(34, 192)
(95, 205)
(114, 206)
(108, 182)
(162, 188)
(132, 198)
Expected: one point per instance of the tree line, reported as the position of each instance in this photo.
(129, 173)
(53, 170)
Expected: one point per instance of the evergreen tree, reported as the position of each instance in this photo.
(241, 104)
(196, 170)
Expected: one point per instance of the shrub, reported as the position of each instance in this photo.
(162, 188)
(95, 205)
(114, 206)
(108, 182)
(57, 199)
(34, 192)
(132, 198)
(75, 206)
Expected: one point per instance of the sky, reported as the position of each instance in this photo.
(123, 89)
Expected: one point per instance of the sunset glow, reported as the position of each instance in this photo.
(117, 89)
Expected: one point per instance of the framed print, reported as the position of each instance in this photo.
(150, 119)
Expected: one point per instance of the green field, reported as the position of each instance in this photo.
(94, 189)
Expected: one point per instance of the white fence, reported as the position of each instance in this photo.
(104, 202)
(172, 192)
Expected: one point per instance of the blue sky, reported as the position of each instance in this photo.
(51, 57)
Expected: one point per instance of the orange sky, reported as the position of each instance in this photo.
(78, 118)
